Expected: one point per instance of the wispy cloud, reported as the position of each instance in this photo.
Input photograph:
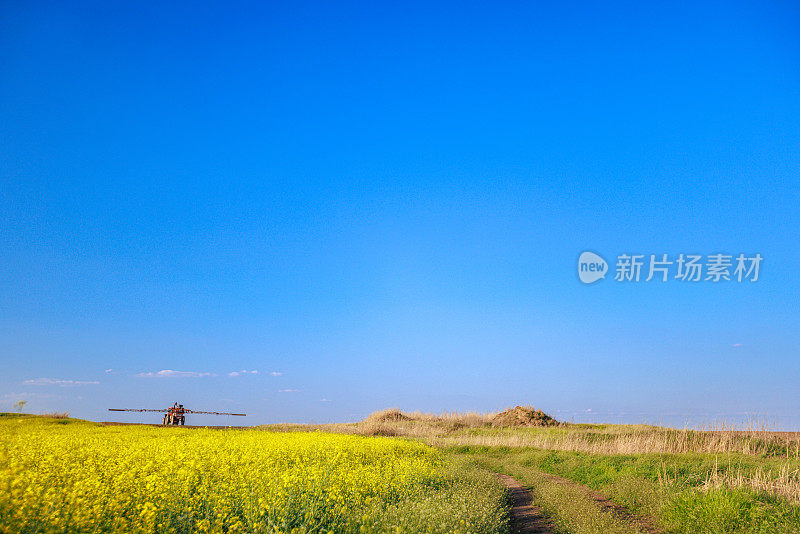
(275, 373)
(737, 344)
(243, 372)
(288, 390)
(325, 400)
(109, 371)
(169, 373)
(57, 382)
(8, 398)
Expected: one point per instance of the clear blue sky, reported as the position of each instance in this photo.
(377, 206)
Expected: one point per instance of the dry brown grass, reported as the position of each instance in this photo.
(56, 415)
(420, 425)
(476, 429)
(523, 416)
(457, 430)
(785, 482)
(391, 415)
(393, 422)
(782, 481)
(631, 439)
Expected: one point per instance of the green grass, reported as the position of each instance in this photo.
(667, 488)
(567, 507)
(470, 500)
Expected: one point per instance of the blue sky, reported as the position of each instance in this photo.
(375, 205)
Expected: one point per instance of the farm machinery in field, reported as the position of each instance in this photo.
(175, 414)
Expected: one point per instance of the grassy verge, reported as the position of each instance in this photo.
(569, 508)
(470, 499)
(677, 491)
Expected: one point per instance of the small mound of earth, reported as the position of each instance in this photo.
(388, 416)
(523, 416)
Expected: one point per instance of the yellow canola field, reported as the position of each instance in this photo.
(81, 477)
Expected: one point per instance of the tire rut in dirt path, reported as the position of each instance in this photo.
(525, 518)
(643, 524)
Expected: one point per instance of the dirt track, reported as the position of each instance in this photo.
(525, 518)
(642, 524)
(528, 519)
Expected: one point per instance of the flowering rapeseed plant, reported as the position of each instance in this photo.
(81, 477)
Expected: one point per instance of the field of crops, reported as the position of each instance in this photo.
(74, 476)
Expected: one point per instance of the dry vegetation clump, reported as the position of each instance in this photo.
(383, 423)
(377, 429)
(393, 422)
(392, 415)
(56, 415)
(523, 416)
(460, 419)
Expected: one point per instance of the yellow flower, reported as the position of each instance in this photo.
(84, 477)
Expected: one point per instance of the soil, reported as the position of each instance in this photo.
(525, 518)
(523, 416)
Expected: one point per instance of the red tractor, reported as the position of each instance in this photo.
(174, 415)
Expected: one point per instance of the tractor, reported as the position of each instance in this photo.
(174, 415)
